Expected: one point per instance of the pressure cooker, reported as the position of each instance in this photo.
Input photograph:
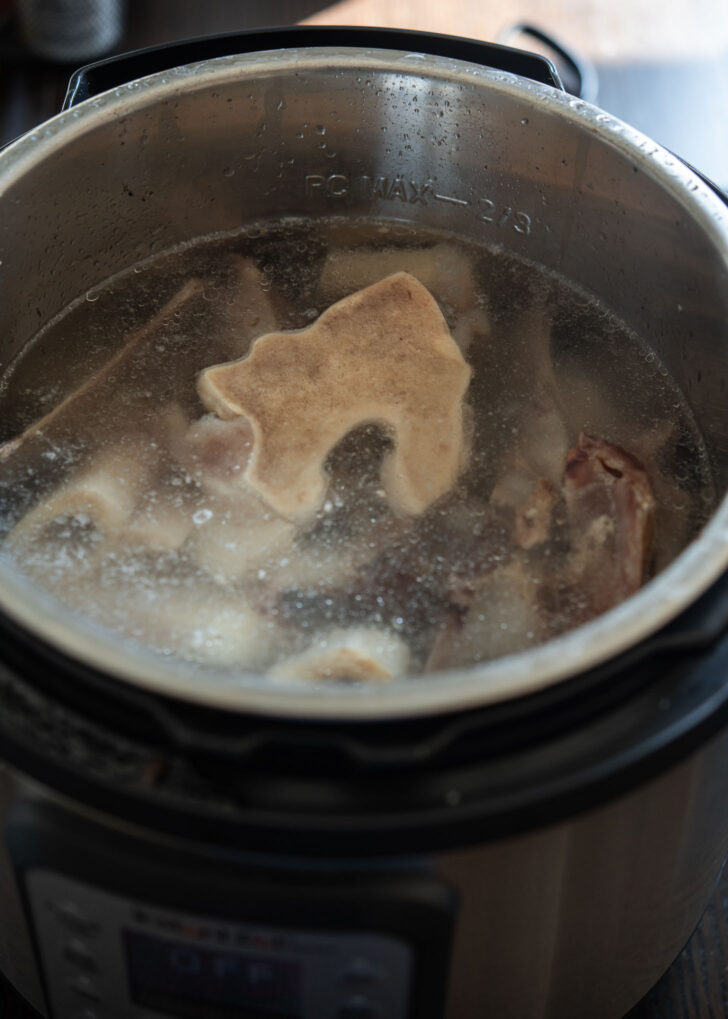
(533, 837)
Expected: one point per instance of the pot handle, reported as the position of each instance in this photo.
(114, 72)
(577, 72)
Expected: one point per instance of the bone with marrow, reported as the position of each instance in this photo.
(355, 653)
(383, 355)
(249, 313)
(94, 397)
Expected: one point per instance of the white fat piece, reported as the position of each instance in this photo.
(237, 546)
(537, 453)
(213, 630)
(233, 534)
(159, 523)
(215, 453)
(504, 618)
(103, 496)
(469, 327)
(200, 623)
(359, 653)
(317, 562)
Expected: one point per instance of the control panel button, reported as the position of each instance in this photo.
(79, 954)
(359, 1008)
(360, 971)
(102, 955)
(85, 985)
(73, 918)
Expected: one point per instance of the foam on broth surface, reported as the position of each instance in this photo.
(182, 565)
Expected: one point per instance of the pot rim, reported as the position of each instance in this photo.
(663, 598)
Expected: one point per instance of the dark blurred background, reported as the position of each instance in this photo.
(32, 87)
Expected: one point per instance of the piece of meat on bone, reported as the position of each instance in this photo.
(533, 597)
(201, 622)
(610, 510)
(537, 454)
(533, 518)
(503, 616)
(161, 522)
(235, 545)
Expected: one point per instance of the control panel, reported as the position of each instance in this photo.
(107, 957)
(128, 925)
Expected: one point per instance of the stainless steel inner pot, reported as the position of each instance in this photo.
(489, 156)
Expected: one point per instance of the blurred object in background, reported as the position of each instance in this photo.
(662, 65)
(578, 74)
(5, 8)
(33, 79)
(152, 22)
(68, 31)
(603, 30)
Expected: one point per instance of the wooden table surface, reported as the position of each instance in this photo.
(663, 67)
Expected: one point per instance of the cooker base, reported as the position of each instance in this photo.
(696, 977)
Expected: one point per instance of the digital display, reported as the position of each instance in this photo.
(192, 982)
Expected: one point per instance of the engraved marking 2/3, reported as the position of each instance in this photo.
(400, 189)
(520, 221)
(396, 189)
(505, 216)
(336, 185)
(452, 201)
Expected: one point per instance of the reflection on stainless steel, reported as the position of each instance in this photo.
(544, 912)
(540, 173)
